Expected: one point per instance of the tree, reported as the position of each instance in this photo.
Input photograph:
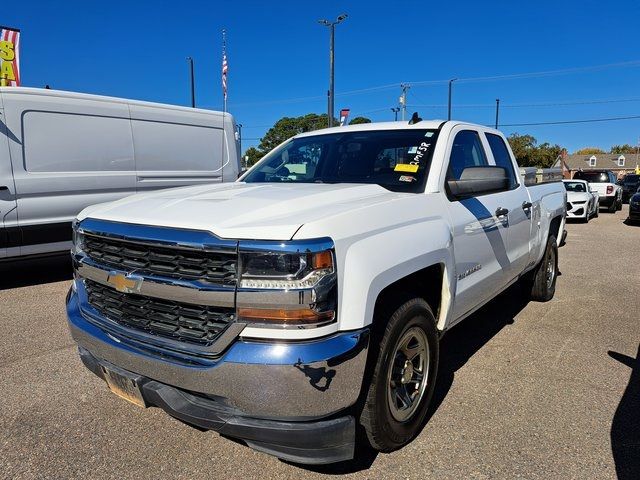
(254, 155)
(589, 151)
(287, 127)
(622, 149)
(529, 154)
(523, 147)
(359, 120)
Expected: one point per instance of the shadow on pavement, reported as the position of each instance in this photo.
(456, 348)
(465, 339)
(625, 427)
(35, 271)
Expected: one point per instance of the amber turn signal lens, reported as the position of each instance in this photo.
(279, 315)
(322, 260)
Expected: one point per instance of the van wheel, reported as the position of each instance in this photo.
(541, 282)
(404, 375)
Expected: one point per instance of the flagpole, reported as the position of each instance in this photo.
(224, 58)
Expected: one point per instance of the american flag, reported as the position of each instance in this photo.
(12, 36)
(225, 68)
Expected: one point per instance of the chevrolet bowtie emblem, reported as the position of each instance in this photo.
(125, 283)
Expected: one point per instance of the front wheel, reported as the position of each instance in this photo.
(403, 378)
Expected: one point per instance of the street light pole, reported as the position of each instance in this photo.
(240, 137)
(403, 99)
(497, 111)
(331, 93)
(395, 111)
(449, 105)
(193, 84)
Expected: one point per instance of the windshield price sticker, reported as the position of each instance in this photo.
(406, 167)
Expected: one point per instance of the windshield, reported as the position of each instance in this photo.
(397, 160)
(575, 187)
(593, 177)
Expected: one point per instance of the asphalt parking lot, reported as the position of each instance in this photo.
(551, 390)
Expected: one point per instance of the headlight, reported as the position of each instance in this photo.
(287, 283)
(285, 270)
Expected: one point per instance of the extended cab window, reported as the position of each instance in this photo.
(502, 157)
(466, 152)
(397, 160)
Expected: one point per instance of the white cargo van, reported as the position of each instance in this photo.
(62, 151)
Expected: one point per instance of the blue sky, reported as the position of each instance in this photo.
(278, 55)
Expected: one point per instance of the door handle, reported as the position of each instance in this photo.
(501, 211)
(526, 205)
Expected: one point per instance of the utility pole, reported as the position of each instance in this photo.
(449, 104)
(403, 99)
(240, 137)
(193, 84)
(497, 111)
(331, 93)
(395, 112)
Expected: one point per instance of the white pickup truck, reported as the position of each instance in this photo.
(306, 300)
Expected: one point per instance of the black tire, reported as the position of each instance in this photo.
(384, 432)
(619, 205)
(613, 208)
(596, 214)
(537, 284)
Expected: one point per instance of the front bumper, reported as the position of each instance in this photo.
(634, 213)
(255, 386)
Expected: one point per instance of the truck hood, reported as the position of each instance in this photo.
(266, 211)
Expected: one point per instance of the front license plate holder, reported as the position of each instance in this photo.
(125, 385)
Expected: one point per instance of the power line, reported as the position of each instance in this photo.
(564, 122)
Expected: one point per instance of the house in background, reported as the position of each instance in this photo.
(617, 163)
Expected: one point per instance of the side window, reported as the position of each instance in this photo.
(502, 157)
(466, 151)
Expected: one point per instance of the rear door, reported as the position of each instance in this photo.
(480, 241)
(8, 214)
(67, 152)
(517, 201)
(176, 147)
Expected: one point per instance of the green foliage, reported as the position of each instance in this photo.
(529, 154)
(287, 127)
(254, 155)
(589, 151)
(623, 149)
(359, 120)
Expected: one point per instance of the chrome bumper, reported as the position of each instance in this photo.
(272, 380)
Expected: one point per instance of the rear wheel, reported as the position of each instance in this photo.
(403, 377)
(613, 208)
(540, 284)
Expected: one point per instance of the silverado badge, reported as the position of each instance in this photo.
(125, 283)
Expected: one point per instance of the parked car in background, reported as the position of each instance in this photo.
(604, 182)
(62, 151)
(582, 200)
(307, 300)
(634, 207)
(630, 185)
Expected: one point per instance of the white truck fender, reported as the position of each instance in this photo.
(372, 263)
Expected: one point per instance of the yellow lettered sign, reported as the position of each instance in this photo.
(7, 50)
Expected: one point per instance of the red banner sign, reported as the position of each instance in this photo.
(9, 57)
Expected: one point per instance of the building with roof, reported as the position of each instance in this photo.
(620, 164)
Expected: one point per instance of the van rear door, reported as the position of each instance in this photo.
(176, 147)
(68, 151)
(8, 213)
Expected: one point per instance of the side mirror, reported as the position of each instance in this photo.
(478, 181)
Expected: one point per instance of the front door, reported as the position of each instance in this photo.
(479, 230)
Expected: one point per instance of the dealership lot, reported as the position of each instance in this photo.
(544, 391)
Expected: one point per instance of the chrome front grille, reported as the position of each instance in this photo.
(179, 321)
(213, 267)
